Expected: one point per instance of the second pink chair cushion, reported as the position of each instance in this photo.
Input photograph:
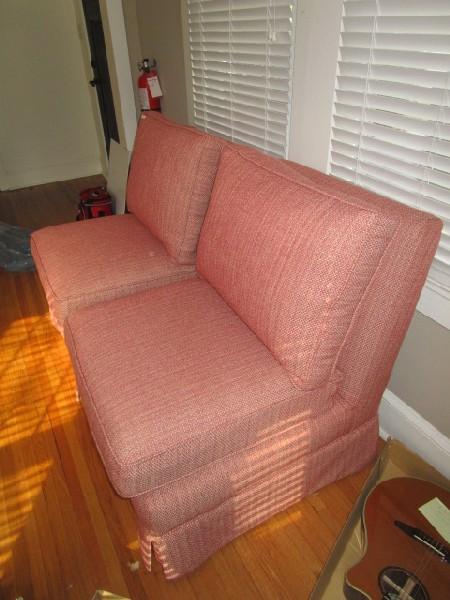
(291, 260)
(197, 384)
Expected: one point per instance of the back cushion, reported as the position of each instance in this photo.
(171, 177)
(292, 261)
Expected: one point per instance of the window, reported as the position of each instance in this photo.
(391, 119)
(241, 55)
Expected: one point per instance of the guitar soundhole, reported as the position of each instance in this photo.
(397, 583)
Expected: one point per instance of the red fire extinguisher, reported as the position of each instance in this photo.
(148, 86)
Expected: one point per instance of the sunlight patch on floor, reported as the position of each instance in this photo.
(37, 389)
(134, 545)
(37, 392)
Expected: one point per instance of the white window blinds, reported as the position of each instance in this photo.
(391, 120)
(241, 57)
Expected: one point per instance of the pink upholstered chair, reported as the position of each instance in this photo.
(258, 382)
(171, 177)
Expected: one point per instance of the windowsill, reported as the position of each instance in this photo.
(435, 303)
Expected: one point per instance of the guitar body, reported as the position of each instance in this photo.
(396, 566)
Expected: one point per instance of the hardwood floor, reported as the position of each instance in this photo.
(64, 533)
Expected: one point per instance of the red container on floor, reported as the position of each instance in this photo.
(94, 202)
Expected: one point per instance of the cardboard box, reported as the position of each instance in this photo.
(395, 460)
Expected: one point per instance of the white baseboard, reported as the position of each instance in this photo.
(400, 421)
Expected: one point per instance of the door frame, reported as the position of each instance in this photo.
(123, 93)
(119, 69)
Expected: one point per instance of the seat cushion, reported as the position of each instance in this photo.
(171, 177)
(197, 385)
(292, 260)
(99, 259)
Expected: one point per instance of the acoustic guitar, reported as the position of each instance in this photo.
(405, 558)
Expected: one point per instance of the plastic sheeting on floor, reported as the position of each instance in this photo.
(15, 253)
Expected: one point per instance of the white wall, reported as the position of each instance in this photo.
(47, 126)
(134, 45)
(160, 32)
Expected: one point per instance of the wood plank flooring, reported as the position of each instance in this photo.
(64, 533)
(48, 204)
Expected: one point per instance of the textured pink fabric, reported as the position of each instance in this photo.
(198, 384)
(185, 547)
(171, 176)
(201, 425)
(288, 443)
(291, 260)
(100, 259)
(386, 309)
